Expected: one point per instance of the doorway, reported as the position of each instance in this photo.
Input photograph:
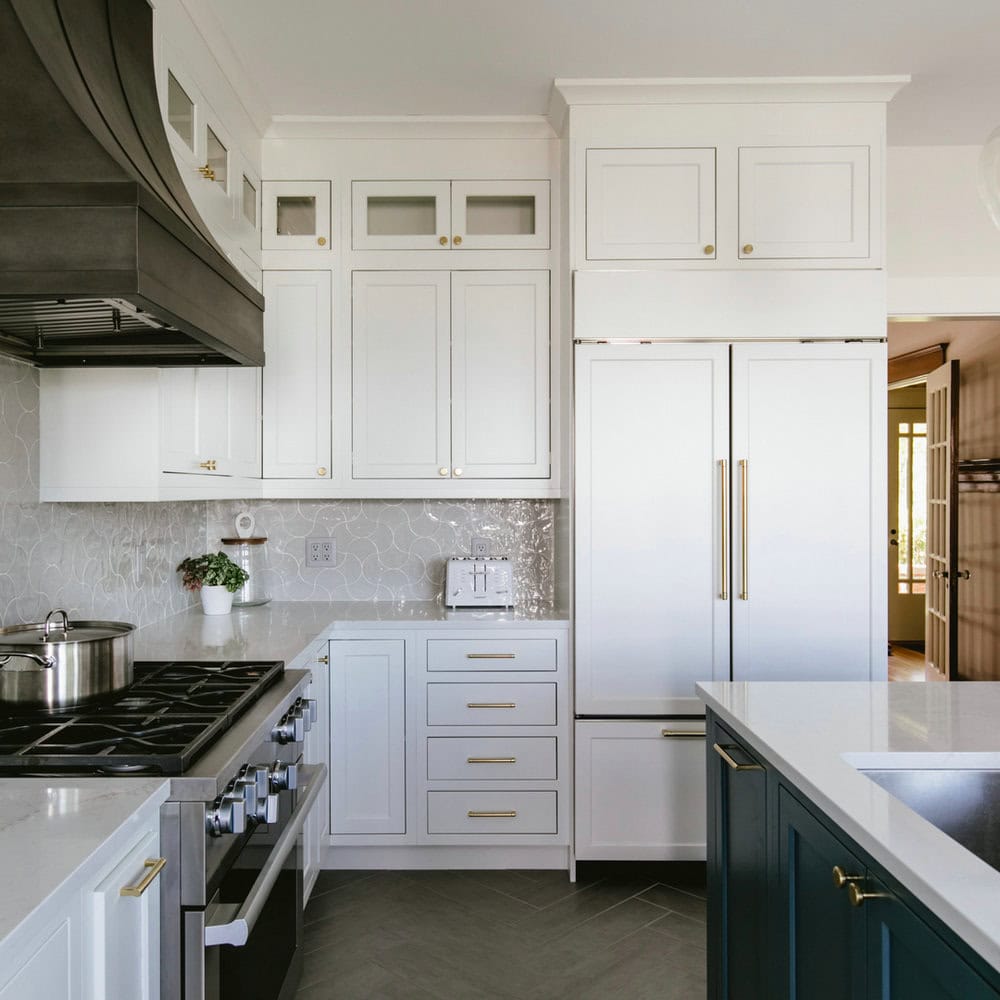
(907, 481)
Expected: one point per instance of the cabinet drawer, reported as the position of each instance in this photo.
(491, 654)
(491, 704)
(451, 758)
(491, 812)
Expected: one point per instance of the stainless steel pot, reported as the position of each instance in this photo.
(58, 664)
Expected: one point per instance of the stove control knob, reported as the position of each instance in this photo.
(301, 708)
(269, 808)
(291, 728)
(313, 711)
(284, 777)
(226, 815)
(254, 784)
(247, 787)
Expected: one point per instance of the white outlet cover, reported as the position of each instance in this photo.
(321, 552)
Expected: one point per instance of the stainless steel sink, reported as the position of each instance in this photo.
(963, 803)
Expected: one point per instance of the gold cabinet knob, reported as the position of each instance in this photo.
(748, 248)
(841, 878)
(442, 471)
(321, 240)
(207, 172)
(209, 464)
(709, 249)
(443, 240)
(456, 472)
(321, 471)
(457, 240)
(858, 896)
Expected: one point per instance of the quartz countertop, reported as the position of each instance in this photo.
(283, 630)
(818, 735)
(50, 828)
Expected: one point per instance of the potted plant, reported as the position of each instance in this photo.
(217, 577)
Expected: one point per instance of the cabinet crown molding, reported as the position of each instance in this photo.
(719, 90)
(409, 127)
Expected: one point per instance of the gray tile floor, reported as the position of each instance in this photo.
(529, 935)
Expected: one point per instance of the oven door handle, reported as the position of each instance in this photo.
(231, 923)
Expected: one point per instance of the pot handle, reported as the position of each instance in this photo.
(45, 661)
(48, 626)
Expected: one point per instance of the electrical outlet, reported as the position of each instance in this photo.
(480, 547)
(321, 552)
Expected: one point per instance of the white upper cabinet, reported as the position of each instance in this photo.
(210, 421)
(500, 374)
(451, 374)
(296, 215)
(804, 202)
(297, 375)
(401, 215)
(401, 375)
(646, 204)
(459, 215)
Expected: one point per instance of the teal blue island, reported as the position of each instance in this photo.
(853, 841)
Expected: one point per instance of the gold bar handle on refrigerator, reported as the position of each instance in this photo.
(723, 506)
(745, 588)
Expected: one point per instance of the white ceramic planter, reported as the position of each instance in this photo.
(216, 600)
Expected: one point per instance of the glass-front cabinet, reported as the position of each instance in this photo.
(450, 215)
(296, 215)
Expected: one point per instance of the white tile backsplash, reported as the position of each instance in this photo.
(118, 560)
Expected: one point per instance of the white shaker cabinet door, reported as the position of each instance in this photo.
(652, 615)
(809, 512)
(640, 790)
(243, 421)
(367, 736)
(500, 374)
(650, 204)
(122, 932)
(804, 202)
(51, 972)
(297, 375)
(401, 373)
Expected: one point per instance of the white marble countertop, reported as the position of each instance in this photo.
(282, 630)
(818, 735)
(50, 828)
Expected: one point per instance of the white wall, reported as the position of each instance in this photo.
(943, 251)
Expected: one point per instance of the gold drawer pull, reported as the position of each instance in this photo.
(491, 704)
(681, 734)
(490, 760)
(492, 814)
(490, 656)
(322, 659)
(722, 752)
(154, 866)
(210, 465)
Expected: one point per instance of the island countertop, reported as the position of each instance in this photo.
(52, 828)
(819, 734)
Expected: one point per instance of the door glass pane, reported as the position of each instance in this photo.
(911, 509)
(217, 158)
(402, 216)
(296, 215)
(180, 111)
(249, 202)
(500, 215)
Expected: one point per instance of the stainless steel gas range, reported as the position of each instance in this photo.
(229, 736)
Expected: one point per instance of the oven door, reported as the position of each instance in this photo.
(246, 941)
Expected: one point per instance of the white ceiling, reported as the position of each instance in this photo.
(499, 57)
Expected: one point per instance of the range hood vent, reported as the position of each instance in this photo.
(104, 259)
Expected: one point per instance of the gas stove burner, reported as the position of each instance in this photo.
(160, 725)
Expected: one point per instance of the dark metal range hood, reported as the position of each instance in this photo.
(104, 259)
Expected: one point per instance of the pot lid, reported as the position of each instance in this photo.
(79, 631)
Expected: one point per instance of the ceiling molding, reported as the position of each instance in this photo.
(409, 127)
(723, 90)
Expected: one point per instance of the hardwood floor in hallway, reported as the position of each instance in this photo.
(494, 935)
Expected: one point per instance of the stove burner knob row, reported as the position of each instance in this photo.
(283, 777)
(227, 814)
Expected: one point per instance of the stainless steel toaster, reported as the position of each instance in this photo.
(479, 583)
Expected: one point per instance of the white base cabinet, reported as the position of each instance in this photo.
(447, 737)
(640, 790)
